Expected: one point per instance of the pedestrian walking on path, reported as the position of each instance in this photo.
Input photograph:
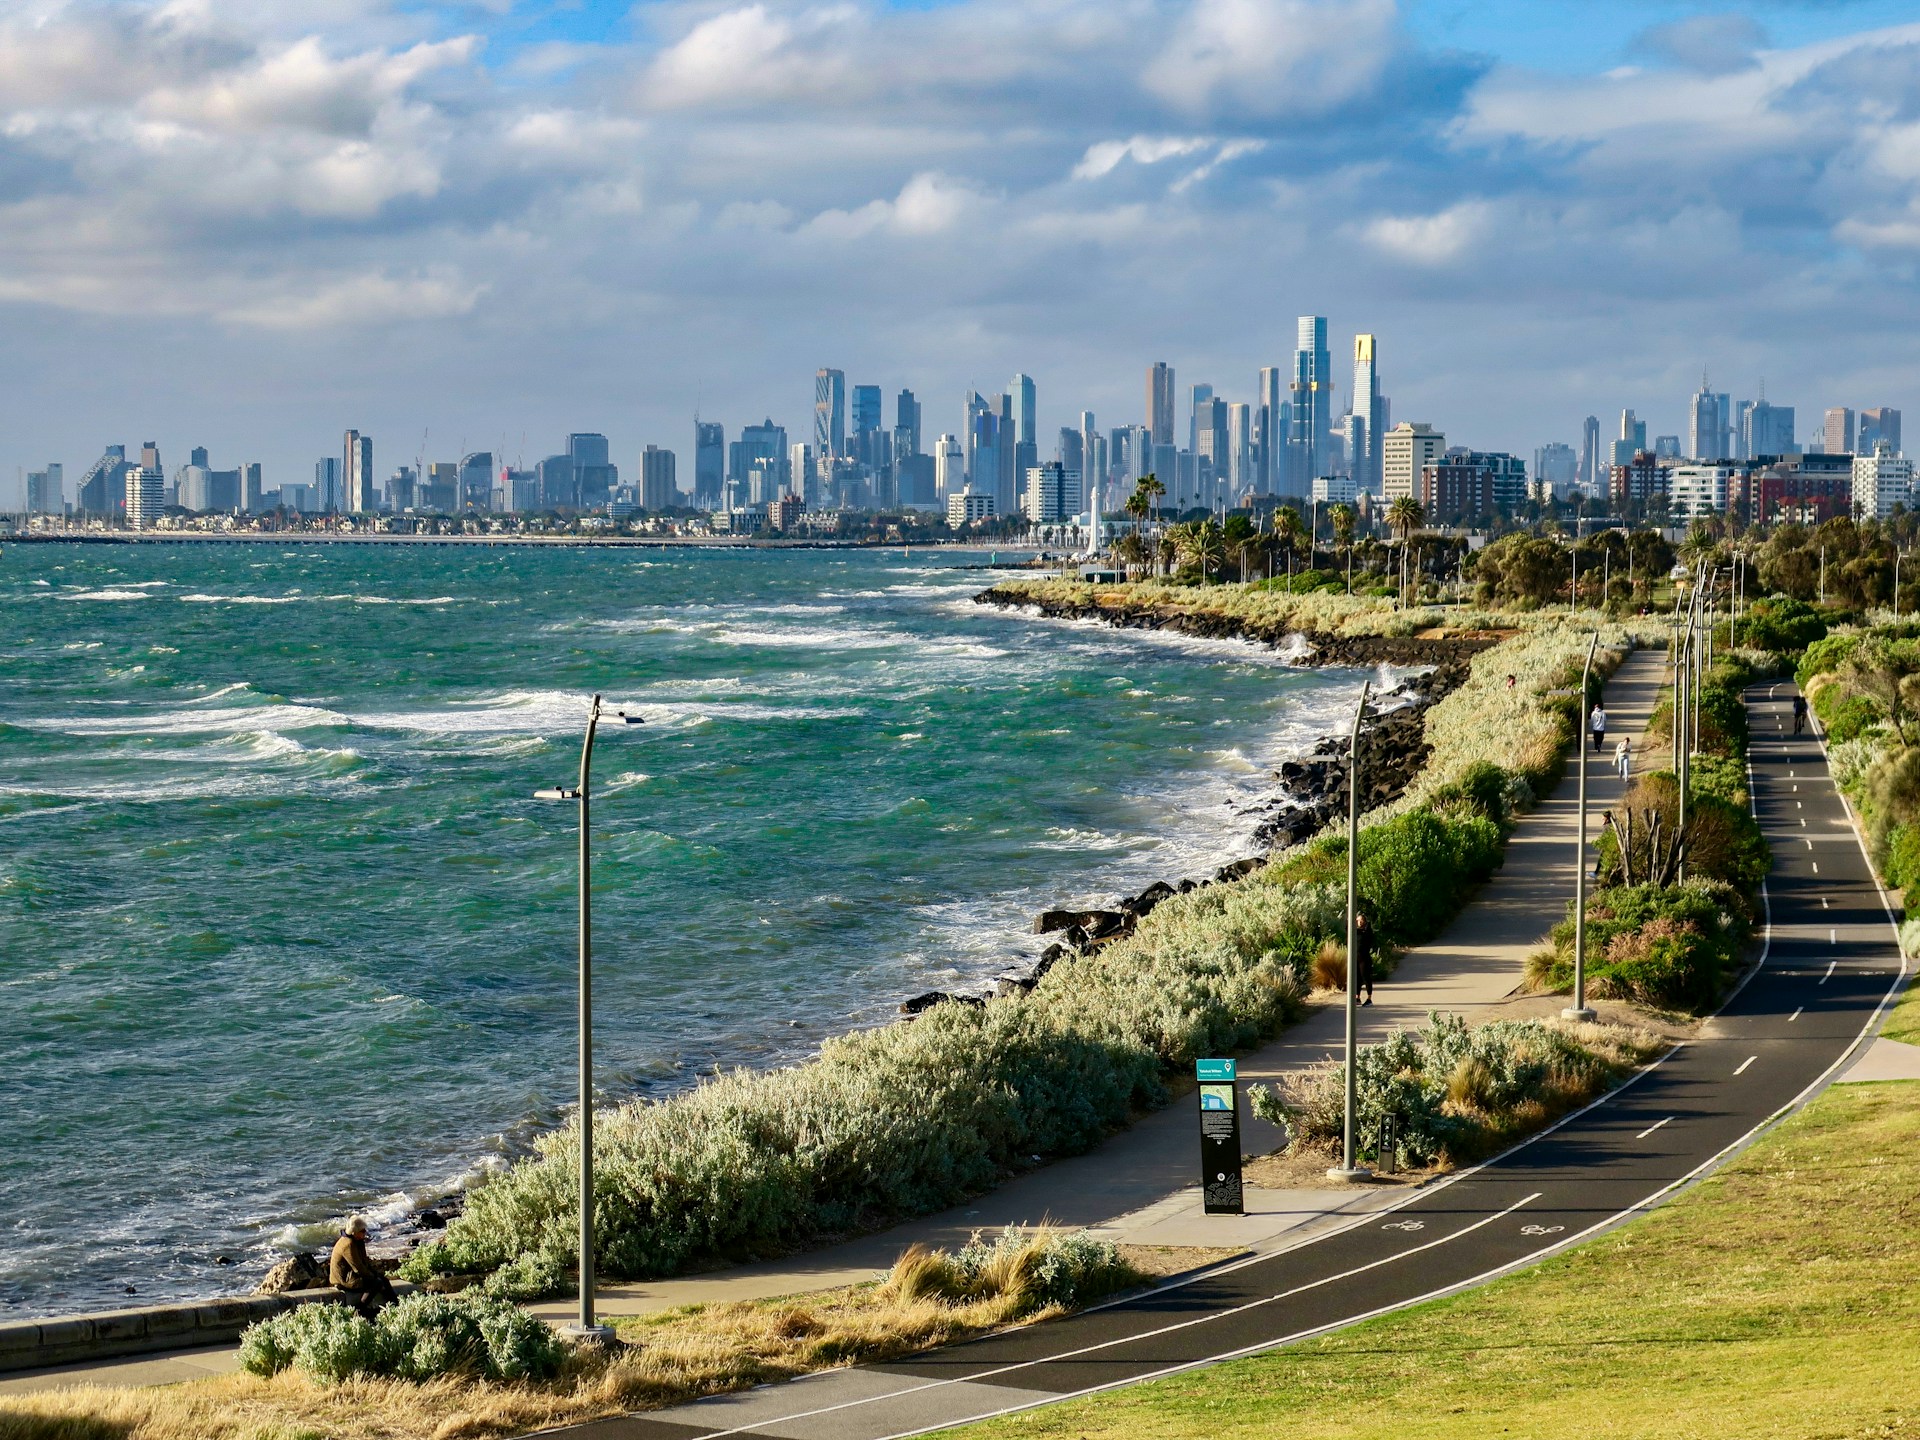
(1598, 724)
(1363, 957)
(1623, 757)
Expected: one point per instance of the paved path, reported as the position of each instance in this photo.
(1829, 969)
(1139, 1186)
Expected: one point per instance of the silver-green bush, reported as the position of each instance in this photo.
(422, 1338)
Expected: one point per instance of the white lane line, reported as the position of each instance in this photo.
(1745, 1063)
(784, 1420)
(1796, 1014)
(1796, 790)
(1653, 1127)
(1825, 904)
(1803, 825)
(1799, 804)
(1809, 844)
(1816, 864)
(1831, 964)
(1833, 937)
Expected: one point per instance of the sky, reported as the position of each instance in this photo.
(252, 224)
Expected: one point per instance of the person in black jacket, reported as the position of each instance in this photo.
(1363, 956)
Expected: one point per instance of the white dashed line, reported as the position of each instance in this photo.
(1745, 1063)
(1833, 937)
(1831, 966)
(1796, 1013)
(1825, 904)
(1816, 864)
(1651, 1128)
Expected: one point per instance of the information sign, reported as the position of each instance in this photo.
(1219, 1136)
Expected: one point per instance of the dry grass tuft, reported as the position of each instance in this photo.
(1330, 966)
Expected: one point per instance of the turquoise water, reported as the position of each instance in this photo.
(283, 935)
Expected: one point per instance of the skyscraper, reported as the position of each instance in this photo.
(1368, 407)
(1880, 423)
(829, 413)
(1239, 477)
(1769, 430)
(146, 492)
(1093, 455)
(1026, 411)
(1270, 429)
(658, 491)
(1592, 478)
(1837, 436)
(326, 485)
(1211, 459)
(44, 491)
(1405, 451)
(1160, 403)
(1311, 393)
(709, 462)
(358, 495)
(866, 408)
(949, 467)
(1198, 398)
(906, 426)
(476, 481)
(594, 473)
(1631, 440)
(1708, 420)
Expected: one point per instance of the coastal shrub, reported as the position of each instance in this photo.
(1848, 761)
(1721, 776)
(1049, 1268)
(424, 1337)
(1843, 714)
(1902, 869)
(1414, 868)
(1781, 623)
(1672, 946)
(1455, 1091)
(1485, 789)
(1723, 842)
(1825, 656)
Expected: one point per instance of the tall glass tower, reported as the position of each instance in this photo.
(1312, 394)
(1365, 459)
(829, 413)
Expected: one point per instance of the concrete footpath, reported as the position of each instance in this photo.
(1140, 1186)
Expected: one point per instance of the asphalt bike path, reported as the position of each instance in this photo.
(1829, 966)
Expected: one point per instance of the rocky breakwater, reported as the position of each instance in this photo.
(1310, 793)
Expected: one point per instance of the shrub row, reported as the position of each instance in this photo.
(423, 1337)
(1670, 946)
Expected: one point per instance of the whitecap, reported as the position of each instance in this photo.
(190, 722)
(114, 593)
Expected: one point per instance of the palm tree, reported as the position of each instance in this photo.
(1287, 531)
(1201, 543)
(1240, 538)
(1344, 521)
(1405, 516)
(1146, 490)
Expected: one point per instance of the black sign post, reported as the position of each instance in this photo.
(1219, 1137)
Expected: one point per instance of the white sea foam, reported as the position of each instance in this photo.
(557, 711)
(112, 593)
(221, 693)
(190, 722)
(200, 599)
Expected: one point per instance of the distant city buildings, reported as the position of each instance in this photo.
(1408, 449)
(1881, 481)
(46, 491)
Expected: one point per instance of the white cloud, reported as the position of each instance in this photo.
(1274, 57)
(361, 300)
(1435, 240)
(1104, 155)
(749, 56)
(927, 204)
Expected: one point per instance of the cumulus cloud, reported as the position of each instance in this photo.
(1274, 57)
(1104, 155)
(1709, 44)
(360, 300)
(926, 205)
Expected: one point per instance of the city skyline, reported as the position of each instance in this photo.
(440, 218)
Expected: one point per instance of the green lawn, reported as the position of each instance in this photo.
(1780, 1298)
(1903, 1021)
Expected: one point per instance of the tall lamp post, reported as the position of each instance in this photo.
(1350, 1168)
(586, 1329)
(1580, 1010)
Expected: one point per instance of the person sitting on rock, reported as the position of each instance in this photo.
(352, 1271)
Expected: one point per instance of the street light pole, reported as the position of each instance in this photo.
(1580, 1010)
(586, 1329)
(1350, 1168)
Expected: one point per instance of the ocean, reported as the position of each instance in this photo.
(284, 935)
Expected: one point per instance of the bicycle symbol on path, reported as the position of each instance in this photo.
(1541, 1229)
(1407, 1225)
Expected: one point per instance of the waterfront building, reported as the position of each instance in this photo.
(1052, 493)
(1880, 423)
(146, 488)
(1836, 431)
(1311, 395)
(829, 414)
(1881, 481)
(965, 506)
(784, 512)
(1696, 490)
(103, 489)
(357, 494)
(658, 492)
(46, 494)
(1406, 451)
(1369, 408)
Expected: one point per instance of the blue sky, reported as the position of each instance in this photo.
(253, 225)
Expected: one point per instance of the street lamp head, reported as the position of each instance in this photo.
(625, 719)
(556, 794)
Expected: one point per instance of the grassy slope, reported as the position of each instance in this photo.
(1903, 1021)
(1776, 1299)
